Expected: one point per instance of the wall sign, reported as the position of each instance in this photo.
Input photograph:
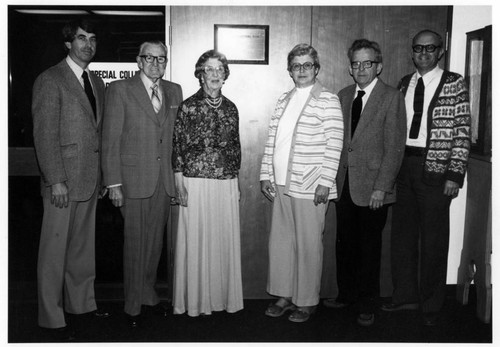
(243, 44)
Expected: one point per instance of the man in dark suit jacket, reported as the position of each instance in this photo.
(374, 137)
(67, 136)
(137, 150)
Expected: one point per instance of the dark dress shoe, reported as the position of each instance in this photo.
(158, 310)
(99, 313)
(366, 319)
(391, 307)
(64, 334)
(134, 322)
(430, 319)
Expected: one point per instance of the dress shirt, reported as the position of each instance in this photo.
(431, 82)
(78, 71)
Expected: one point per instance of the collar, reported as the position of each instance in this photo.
(368, 89)
(147, 82)
(77, 70)
(428, 77)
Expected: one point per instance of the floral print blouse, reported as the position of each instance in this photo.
(206, 139)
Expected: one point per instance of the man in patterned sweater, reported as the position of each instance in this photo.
(433, 170)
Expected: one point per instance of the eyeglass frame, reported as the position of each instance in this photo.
(153, 58)
(420, 48)
(220, 70)
(367, 64)
(299, 67)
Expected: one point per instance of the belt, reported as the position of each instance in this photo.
(414, 151)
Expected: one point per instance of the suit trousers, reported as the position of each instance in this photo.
(419, 239)
(66, 261)
(296, 249)
(144, 226)
(358, 250)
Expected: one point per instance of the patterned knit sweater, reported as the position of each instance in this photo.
(448, 134)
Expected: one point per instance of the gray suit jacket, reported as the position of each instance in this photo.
(375, 152)
(137, 142)
(66, 134)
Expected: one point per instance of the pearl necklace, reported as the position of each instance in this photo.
(214, 103)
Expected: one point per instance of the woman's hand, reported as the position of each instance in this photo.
(267, 189)
(180, 189)
(321, 195)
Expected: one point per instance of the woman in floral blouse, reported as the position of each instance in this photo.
(206, 159)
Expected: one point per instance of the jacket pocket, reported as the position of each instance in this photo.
(129, 159)
(69, 151)
(310, 177)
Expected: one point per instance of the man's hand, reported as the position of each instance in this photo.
(451, 189)
(267, 189)
(376, 199)
(116, 196)
(59, 195)
(321, 195)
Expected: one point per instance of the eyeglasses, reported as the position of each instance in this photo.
(306, 66)
(366, 64)
(151, 58)
(219, 70)
(428, 48)
(85, 39)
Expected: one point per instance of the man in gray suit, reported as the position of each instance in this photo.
(137, 150)
(68, 102)
(374, 141)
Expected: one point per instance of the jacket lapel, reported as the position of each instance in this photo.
(347, 110)
(75, 88)
(142, 96)
(369, 109)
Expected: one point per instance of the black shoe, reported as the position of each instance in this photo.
(64, 334)
(391, 307)
(430, 319)
(100, 313)
(366, 319)
(158, 310)
(134, 322)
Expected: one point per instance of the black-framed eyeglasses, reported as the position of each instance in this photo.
(306, 66)
(365, 64)
(151, 58)
(219, 70)
(428, 48)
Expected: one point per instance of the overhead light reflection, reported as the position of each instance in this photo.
(128, 13)
(51, 11)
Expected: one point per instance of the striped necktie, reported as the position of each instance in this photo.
(155, 98)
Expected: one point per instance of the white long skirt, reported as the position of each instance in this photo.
(207, 269)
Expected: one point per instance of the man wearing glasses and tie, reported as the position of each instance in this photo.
(433, 170)
(137, 149)
(374, 137)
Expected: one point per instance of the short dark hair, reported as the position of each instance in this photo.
(365, 44)
(198, 69)
(300, 50)
(70, 29)
(428, 31)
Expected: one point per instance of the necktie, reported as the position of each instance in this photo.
(88, 91)
(357, 106)
(155, 98)
(418, 107)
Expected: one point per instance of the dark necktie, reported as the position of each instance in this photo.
(88, 91)
(357, 106)
(418, 107)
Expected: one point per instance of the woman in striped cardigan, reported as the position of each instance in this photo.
(298, 175)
